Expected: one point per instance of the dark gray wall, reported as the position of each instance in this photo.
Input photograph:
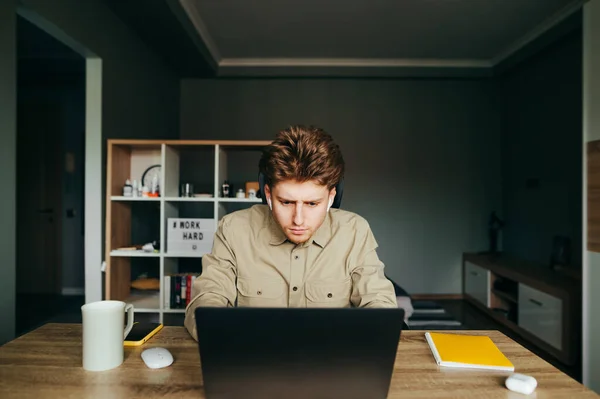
(140, 99)
(8, 169)
(50, 72)
(140, 94)
(542, 136)
(423, 156)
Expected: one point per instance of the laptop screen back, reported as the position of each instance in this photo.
(297, 353)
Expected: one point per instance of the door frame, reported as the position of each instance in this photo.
(93, 180)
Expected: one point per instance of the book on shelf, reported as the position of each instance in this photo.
(178, 290)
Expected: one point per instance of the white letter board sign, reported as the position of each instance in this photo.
(190, 236)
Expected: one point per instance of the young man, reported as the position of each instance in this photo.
(296, 251)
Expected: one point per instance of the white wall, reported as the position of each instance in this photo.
(591, 131)
(423, 157)
(8, 169)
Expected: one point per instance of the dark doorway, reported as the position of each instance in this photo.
(50, 176)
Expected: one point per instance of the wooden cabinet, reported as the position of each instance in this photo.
(477, 283)
(541, 315)
(133, 221)
(542, 305)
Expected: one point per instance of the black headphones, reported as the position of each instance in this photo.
(337, 200)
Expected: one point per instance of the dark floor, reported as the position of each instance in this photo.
(34, 311)
(475, 319)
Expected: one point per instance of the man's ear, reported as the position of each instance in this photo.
(268, 196)
(332, 194)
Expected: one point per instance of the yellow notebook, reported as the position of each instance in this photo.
(469, 351)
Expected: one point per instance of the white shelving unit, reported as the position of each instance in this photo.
(134, 254)
(206, 162)
(196, 199)
(141, 199)
(240, 200)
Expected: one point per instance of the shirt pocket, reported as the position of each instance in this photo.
(260, 293)
(335, 294)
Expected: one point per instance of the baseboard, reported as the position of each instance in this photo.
(434, 297)
(73, 291)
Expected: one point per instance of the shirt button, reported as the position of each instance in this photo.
(295, 289)
(258, 292)
(330, 295)
(296, 256)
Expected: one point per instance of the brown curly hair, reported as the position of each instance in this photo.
(302, 153)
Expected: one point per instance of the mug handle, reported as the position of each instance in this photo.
(129, 310)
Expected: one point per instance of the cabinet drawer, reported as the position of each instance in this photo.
(477, 283)
(541, 315)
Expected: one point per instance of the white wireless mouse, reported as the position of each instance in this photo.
(157, 358)
(521, 383)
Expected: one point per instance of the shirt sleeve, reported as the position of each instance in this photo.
(216, 285)
(370, 287)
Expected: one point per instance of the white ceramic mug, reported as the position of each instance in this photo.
(103, 333)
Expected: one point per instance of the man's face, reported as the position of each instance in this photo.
(299, 208)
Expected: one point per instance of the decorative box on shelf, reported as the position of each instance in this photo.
(187, 236)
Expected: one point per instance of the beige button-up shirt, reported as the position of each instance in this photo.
(253, 264)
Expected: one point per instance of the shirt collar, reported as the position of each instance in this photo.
(277, 235)
(321, 236)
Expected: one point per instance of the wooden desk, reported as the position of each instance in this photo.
(46, 363)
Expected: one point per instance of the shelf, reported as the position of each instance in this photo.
(188, 199)
(173, 310)
(134, 254)
(145, 310)
(145, 302)
(253, 200)
(184, 255)
(141, 199)
(505, 295)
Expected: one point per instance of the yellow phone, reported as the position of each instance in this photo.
(141, 332)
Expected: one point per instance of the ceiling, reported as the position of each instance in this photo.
(341, 37)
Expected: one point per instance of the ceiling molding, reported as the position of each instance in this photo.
(353, 68)
(352, 72)
(538, 31)
(194, 15)
(352, 62)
